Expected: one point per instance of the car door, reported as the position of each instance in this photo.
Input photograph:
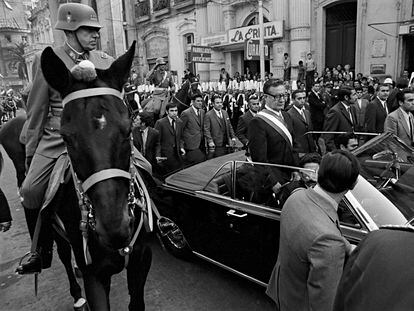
(238, 232)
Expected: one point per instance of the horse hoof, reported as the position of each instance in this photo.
(81, 305)
(78, 273)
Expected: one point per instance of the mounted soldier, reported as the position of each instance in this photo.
(161, 78)
(41, 132)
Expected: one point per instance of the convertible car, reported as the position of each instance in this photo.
(224, 211)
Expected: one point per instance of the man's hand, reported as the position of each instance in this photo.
(5, 226)
(160, 159)
(211, 145)
(233, 142)
(182, 151)
(276, 188)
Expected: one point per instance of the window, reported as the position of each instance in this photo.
(188, 42)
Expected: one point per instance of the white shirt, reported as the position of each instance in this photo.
(170, 120)
(406, 117)
(218, 113)
(301, 111)
(384, 104)
(278, 113)
(195, 110)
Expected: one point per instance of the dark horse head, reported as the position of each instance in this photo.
(96, 129)
(183, 96)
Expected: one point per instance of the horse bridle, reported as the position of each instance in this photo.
(88, 220)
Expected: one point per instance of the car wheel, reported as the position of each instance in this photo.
(172, 238)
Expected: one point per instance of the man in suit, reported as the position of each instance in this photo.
(271, 137)
(377, 110)
(360, 109)
(347, 142)
(312, 250)
(193, 130)
(147, 139)
(244, 120)
(172, 147)
(40, 134)
(379, 274)
(217, 129)
(341, 117)
(302, 123)
(401, 122)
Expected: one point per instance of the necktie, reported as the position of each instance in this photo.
(410, 121)
(173, 124)
(303, 114)
(220, 115)
(350, 114)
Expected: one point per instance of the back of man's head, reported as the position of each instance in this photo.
(338, 171)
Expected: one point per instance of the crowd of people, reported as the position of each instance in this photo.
(9, 104)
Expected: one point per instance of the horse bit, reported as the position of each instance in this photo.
(88, 220)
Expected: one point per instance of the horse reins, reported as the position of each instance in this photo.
(87, 210)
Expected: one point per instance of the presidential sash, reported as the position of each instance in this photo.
(277, 125)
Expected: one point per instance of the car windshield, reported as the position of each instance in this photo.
(388, 165)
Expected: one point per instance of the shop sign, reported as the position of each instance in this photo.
(252, 50)
(200, 54)
(272, 30)
(214, 40)
(377, 69)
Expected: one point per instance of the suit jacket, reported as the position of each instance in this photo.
(396, 124)
(338, 120)
(360, 113)
(243, 126)
(300, 127)
(316, 107)
(214, 130)
(152, 145)
(41, 132)
(375, 116)
(268, 146)
(4, 208)
(170, 141)
(193, 128)
(379, 274)
(312, 252)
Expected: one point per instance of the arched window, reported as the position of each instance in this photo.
(253, 19)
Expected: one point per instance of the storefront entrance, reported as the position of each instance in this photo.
(408, 58)
(340, 34)
(254, 66)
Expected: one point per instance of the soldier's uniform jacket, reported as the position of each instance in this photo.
(161, 81)
(40, 133)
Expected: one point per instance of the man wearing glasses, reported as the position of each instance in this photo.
(271, 135)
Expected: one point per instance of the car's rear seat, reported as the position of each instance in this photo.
(223, 183)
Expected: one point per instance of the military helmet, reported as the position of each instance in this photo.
(71, 16)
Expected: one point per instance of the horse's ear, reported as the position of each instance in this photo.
(118, 73)
(55, 72)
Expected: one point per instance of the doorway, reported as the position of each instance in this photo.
(340, 34)
(408, 54)
(254, 66)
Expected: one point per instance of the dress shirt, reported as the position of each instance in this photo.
(172, 122)
(144, 135)
(407, 117)
(218, 113)
(348, 109)
(197, 112)
(301, 112)
(384, 104)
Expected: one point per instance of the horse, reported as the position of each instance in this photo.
(183, 96)
(104, 229)
(9, 138)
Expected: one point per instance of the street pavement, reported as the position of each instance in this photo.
(172, 284)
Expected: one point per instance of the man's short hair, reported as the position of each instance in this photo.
(338, 171)
(214, 97)
(297, 92)
(271, 83)
(401, 94)
(359, 89)
(383, 85)
(310, 158)
(344, 91)
(146, 117)
(196, 95)
(170, 106)
(343, 139)
(253, 96)
(286, 54)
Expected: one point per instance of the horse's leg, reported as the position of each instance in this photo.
(137, 271)
(97, 291)
(65, 254)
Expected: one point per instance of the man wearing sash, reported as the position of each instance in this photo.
(270, 135)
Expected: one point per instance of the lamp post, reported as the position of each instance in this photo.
(261, 41)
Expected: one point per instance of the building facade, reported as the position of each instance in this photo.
(373, 36)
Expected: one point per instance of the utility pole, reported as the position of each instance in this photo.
(261, 42)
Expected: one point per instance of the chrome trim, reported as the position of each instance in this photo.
(230, 269)
(363, 215)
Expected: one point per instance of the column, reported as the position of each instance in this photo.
(215, 17)
(202, 30)
(229, 17)
(280, 13)
(299, 14)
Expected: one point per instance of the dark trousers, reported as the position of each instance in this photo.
(309, 80)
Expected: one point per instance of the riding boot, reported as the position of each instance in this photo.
(41, 254)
